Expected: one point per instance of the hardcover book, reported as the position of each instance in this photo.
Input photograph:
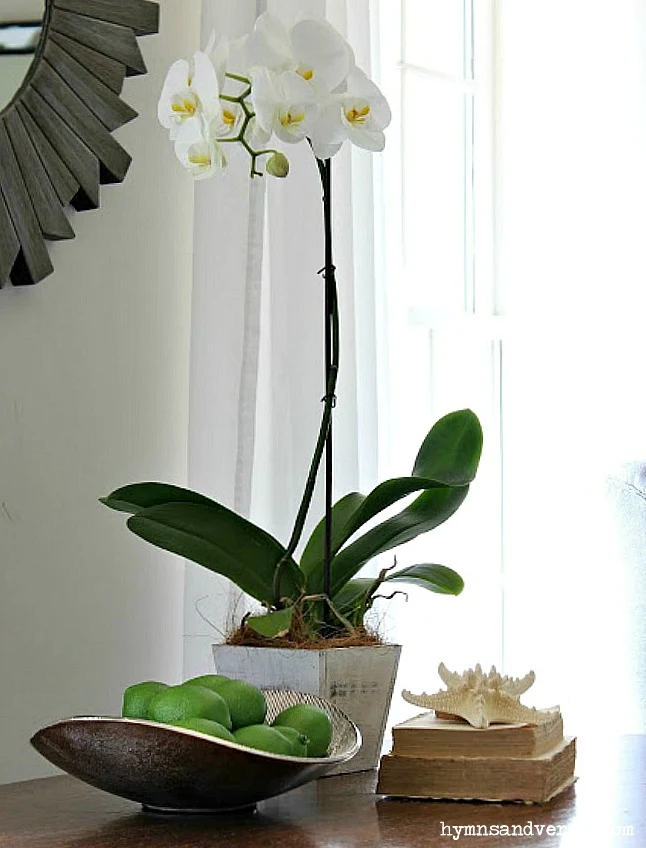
(427, 735)
(487, 778)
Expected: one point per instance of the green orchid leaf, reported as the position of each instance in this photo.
(426, 512)
(450, 453)
(449, 456)
(383, 496)
(273, 624)
(138, 496)
(352, 600)
(220, 540)
(435, 578)
(342, 512)
(353, 592)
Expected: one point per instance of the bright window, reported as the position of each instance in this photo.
(513, 186)
(442, 336)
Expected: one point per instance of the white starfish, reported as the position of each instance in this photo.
(481, 698)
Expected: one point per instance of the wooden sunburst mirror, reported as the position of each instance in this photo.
(56, 143)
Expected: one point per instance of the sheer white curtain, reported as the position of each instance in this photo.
(257, 375)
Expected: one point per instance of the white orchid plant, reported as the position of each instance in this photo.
(294, 79)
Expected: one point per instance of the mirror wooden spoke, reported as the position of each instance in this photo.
(140, 15)
(104, 103)
(112, 157)
(60, 175)
(81, 162)
(111, 72)
(9, 242)
(22, 213)
(116, 41)
(56, 143)
(51, 217)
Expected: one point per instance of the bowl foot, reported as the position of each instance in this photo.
(197, 811)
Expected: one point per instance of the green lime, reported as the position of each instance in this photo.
(298, 740)
(246, 703)
(177, 703)
(137, 697)
(205, 725)
(209, 681)
(313, 722)
(264, 738)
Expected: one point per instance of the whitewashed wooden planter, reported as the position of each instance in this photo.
(359, 681)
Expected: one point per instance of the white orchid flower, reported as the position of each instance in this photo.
(309, 46)
(255, 136)
(218, 49)
(232, 119)
(365, 112)
(227, 55)
(282, 104)
(360, 114)
(190, 91)
(323, 56)
(289, 11)
(268, 45)
(198, 151)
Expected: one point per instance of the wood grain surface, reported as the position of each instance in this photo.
(116, 41)
(56, 144)
(608, 800)
(25, 222)
(98, 97)
(60, 175)
(51, 217)
(110, 71)
(9, 244)
(80, 161)
(82, 122)
(140, 15)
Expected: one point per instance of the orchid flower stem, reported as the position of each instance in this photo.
(324, 441)
(331, 308)
(238, 78)
(241, 99)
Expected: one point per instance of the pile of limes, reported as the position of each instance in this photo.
(233, 710)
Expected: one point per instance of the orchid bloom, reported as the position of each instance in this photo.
(200, 154)
(223, 54)
(293, 77)
(360, 114)
(283, 104)
(190, 91)
(311, 47)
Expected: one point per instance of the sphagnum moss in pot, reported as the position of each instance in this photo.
(310, 633)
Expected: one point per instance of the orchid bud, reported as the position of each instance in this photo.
(278, 165)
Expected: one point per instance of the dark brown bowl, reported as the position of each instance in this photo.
(171, 769)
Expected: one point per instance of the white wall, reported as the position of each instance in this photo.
(13, 69)
(94, 394)
(21, 10)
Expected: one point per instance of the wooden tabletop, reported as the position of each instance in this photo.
(606, 808)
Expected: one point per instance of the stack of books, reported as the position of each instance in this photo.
(444, 757)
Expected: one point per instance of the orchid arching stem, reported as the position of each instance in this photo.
(324, 441)
(325, 170)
